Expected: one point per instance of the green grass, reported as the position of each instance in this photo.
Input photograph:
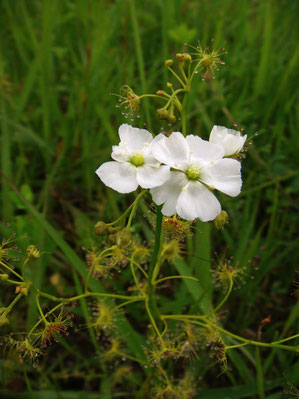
(58, 63)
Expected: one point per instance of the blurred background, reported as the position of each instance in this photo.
(59, 62)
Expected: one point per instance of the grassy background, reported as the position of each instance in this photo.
(59, 60)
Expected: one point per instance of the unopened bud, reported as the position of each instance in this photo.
(111, 239)
(187, 57)
(123, 238)
(171, 119)
(169, 85)
(220, 220)
(113, 230)
(33, 252)
(100, 228)
(168, 63)
(23, 288)
(162, 113)
(161, 92)
(4, 277)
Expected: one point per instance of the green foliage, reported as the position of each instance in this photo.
(58, 63)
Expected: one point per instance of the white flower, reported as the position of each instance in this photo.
(133, 163)
(197, 168)
(231, 140)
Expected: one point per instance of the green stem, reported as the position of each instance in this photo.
(127, 303)
(259, 374)
(177, 77)
(24, 266)
(247, 341)
(153, 321)
(226, 296)
(153, 96)
(17, 298)
(134, 208)
(174, 96)
(40, 309)
(40, 320)
(150, 304)
(86, 295)
(139, 267)
(11, 270)
(134, 359)
(134, 276)
(13, 282)
(183, 74)
(172, 277)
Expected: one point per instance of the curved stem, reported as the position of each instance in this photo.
(40, 309)
(139, 267)
(40, 320)
(12, 304)
(247, 341)
(134, 208)
(153, 95)
(153, 322)
(127, 303)
(121, 354)
(87, 294)
(11, 270)
(226, 296)
(134, 275)
(177, 77)
(172, 277)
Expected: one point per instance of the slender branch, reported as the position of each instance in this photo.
(86, 295)
(172, 277)
(226, 296)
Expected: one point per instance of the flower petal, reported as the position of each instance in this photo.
(196, 201)
(119, 176)
(231, 140)
(172, 150)
(225, 176)
(151, 176)
(133, 137)
(120, 153)
(169, 192)
(202, 150)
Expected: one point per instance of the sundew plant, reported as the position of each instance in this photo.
(153, 325)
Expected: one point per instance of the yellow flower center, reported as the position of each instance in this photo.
(137, 160)
(193, 172)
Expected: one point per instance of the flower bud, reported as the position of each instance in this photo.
(4, 277)
(123, 238)
(171, 119)
(169, 85)
(33, 252)
(220, 220)
(161, 92)
(100, 228)
(111, 239)
(23, 288)
(187, 57)
(113, 230)
(168, 63)
(162, 113)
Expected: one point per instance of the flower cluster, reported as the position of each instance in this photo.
(181, 171)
